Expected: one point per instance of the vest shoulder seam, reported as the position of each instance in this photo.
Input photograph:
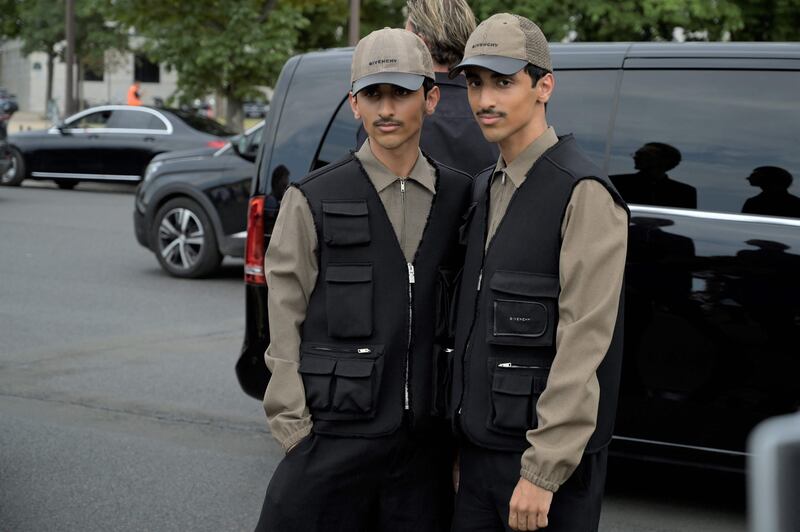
(319, 172)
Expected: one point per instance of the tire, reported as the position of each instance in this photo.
(66, 184)
(184, 240)
(17, 173)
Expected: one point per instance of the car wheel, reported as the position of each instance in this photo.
(184, 240)
(16, 172)
(66, 184)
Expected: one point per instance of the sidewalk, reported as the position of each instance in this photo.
(26, 121)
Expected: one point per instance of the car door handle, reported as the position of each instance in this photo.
(94, 136)
(149, 139)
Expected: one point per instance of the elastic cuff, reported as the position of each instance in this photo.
(295, 437)
(539, 480)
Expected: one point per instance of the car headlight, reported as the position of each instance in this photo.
(151, 170)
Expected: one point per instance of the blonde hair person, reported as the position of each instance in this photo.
(445, 26)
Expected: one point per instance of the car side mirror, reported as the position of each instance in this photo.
(62, 128)
(245, 149)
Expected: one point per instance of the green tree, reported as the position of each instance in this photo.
(769, 20)
(39, 24)
(621, 20)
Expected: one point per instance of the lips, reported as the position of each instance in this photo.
(489, 119)
(388, 127)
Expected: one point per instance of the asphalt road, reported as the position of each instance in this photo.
(119, 408)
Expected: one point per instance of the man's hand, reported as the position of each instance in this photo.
(529, 506)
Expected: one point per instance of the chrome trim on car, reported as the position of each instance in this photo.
(60, 175)
(78, 116)
(240, 234)
(681, 446)
(729, 217)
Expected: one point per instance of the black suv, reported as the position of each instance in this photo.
(702, 141)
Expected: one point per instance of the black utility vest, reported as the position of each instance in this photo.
(368, 341)
(508, 307)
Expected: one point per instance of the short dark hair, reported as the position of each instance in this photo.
(535, 73)
(427, 85)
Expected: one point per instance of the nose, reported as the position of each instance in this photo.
(486, 98)
(386, 109)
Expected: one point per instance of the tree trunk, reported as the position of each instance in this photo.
(234, 114)
(51, 56)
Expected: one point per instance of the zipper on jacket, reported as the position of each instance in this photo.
(403, 225)
(511, 365)
(411, 282)
(356, 350)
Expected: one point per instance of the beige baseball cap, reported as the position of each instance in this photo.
(392, 56)
(505, 43)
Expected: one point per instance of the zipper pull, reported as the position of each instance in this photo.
(402, 186)
(480, 279)
(504, 365)
(364, 351)
(410, 273)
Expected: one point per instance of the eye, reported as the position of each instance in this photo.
(473, 82)
(400, 91)
(504, 82)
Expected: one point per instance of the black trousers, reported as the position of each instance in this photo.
(396, 483)
(488, 479)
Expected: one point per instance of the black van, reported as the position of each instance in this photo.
(703, 141)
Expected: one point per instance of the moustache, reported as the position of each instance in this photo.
(490, 112)
(385, 122)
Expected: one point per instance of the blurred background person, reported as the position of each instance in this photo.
(134, 94)
(774, 199)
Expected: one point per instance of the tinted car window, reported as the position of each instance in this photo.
(98, 120)
(582, 104)
(340, 137)
(722, 141)
(203, 124)
(130, 119)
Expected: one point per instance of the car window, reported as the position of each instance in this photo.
(203, 124)
(132, 119)
(723, 141)
(98, 120)
(582, 104)
(340, 137)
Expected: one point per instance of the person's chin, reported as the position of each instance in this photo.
(493, 134)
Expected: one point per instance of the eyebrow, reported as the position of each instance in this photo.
(495, 75)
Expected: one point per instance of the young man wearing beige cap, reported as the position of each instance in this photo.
(538, 339)
(358, 259)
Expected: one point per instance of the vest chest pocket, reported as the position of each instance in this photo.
(345, 223)
(341, 383)
(348, 300)
(515, 391)
(523, 309)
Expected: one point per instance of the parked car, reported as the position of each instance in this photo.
(255, 109)
(701, 140)
(109, 143)
(191, 208)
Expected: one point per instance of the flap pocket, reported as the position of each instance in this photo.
(348, 273)
(345, 208)
(345, 223)
(512, 384)
(525, 284)
(311, 365)
(355, 368)
(527, 319)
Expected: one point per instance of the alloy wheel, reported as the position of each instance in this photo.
(181, 238)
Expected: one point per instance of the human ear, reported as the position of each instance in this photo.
(354, 106)
(432, 100)
(545, 87)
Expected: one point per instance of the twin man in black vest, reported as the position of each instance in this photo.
(431, 318)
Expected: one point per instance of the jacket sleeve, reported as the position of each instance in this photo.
(291, 270)
(592, 263)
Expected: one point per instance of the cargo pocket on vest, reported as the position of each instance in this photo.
(354, 392)
(317, 373)
(523, 309)
(515, 391)
(345, 223)
(442, 380)
(342, 382)
(349, 300)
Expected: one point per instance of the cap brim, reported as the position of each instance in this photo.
(495, 63)
(410, 82)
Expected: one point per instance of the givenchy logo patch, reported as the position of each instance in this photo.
(485, 45)
(382, 61)
(519, 318)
